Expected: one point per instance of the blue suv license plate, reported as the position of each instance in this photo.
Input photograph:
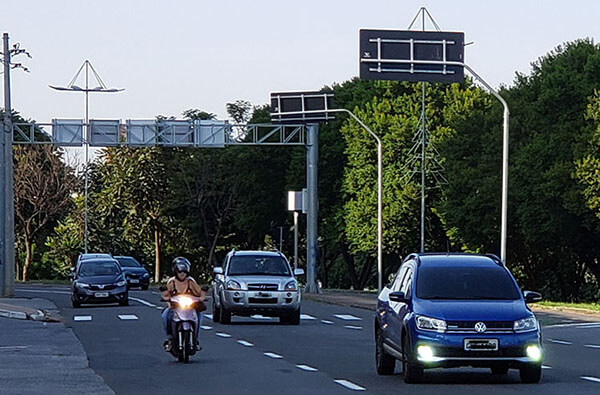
(481, 344)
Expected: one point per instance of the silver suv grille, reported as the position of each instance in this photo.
(263, 287)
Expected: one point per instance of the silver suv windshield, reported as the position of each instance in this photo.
(262, 265)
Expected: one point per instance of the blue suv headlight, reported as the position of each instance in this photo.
(431, 324)
(525, 325)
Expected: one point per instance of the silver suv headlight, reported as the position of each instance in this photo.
(233, 285)
(525, 325)
(431, 324)
(291, 286)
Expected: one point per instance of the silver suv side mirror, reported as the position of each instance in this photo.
(218, 270)
(298, 272)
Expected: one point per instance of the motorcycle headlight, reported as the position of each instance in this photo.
(233, 285)
(185, 301)
(525, 325)
(291, 286)
(431, 324)
(82, 285)
(121, 283)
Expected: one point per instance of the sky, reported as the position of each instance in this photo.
(175, 55)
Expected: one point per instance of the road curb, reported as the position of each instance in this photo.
(573, 310)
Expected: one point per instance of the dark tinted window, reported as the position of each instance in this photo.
(106, 268)
(456, 282)
(128, 262)
(258, 265)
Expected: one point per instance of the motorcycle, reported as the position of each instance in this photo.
(185, 322)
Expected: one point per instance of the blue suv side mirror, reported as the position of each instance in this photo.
(532, 297)
(398, 297)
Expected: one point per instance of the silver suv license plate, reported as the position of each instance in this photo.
(481, 344)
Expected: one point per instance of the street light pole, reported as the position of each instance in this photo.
(379, 195)
(102, 88)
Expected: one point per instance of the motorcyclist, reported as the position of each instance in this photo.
(180, 283)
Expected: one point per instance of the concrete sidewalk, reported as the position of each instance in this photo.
(42, 357)
(32, 309)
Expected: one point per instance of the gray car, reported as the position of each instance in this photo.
(256, 282)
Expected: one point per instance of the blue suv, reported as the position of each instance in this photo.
(450, 310)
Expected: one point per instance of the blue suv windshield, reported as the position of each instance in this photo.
(465, 282)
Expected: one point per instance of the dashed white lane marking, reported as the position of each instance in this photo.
(307, 368)
(245, 343)
(347, 317)
(128, 317)
(350, 385)
(209, 316)
(13, 347)
(273, 355)
(159, 308)
(206, 328)
(589, 378)
(307, 317)
(353, 327)
(221, 334)
(546, 367)
(326, 322)
(260, 317)
(82, 318)
(592, 346)
(142, 301)
(560, 342)
(575, 324)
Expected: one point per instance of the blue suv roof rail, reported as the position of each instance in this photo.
(495, 259)
(414, 256)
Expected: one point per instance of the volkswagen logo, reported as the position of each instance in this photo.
(480, 327)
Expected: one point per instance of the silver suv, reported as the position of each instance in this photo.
(256, 282)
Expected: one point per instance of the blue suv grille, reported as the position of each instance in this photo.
(469, 326)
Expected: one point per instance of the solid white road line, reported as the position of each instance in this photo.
(592, 346)
(221, 334)
(128, 317)
(307, 317)
(43, 291)
(326, 322)
(159, 308)
(209, 316)
(546, 367)
(353, 327)
(245, 343)
(560, 342)
(350, 385)
(569, 325)
(589, 378)
(82, 318)
(273, 355)
(144, 302)
(206, 328)
(591, 326)
(307, 368)
(347, 317)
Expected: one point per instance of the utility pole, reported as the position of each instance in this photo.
(7, 225)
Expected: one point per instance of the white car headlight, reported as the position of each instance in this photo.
(233, 285)
(121, 283)
(82, 285)
(525, 325)
(291, 286)
(431, 324)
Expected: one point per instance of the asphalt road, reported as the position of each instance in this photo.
(330, 352)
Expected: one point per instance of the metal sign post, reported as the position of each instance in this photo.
(404, 55)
